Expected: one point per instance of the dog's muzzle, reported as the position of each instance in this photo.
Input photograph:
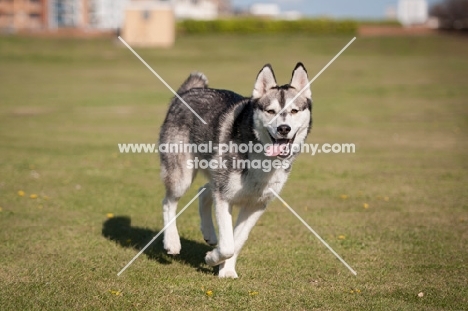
(281, 147)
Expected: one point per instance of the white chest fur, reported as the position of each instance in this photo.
(252, 188)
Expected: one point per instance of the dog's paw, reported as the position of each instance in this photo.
(212, 258)
(172, 245)
(215, 257)
(227, 269)
(224, 273)
(173, 249)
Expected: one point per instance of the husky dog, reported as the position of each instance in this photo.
(232, 118)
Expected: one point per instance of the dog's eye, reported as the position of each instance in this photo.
(294, 111)
(271, 111)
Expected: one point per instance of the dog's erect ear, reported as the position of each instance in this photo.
(265, 81)
(300, 79)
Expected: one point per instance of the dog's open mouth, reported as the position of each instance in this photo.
(281, 147)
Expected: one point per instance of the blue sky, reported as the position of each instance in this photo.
(372, 9)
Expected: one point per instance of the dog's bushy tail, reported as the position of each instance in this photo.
(195, 80)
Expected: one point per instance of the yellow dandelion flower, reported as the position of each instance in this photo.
(351, 292)
(110, 215)
(365, 205)
(344, 196)
(21, 193)
(386, 199)
(253, 293)
(358, 290)
(115, 292)
(209, 293)
(341, 237)
(33, 196)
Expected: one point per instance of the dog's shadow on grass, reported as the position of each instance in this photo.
(120, 230)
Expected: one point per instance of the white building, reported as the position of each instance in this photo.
(265, 9)
(106, 14)
(200, 9)
(412, 12)
(93, 14)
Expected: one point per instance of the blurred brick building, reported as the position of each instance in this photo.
(17, 15)
(23, 14)
(40, 15)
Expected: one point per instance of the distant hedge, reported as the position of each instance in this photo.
(264, 26)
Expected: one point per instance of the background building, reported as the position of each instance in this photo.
(265, 9)
(200, 9)
(18, 15)
(149, 23)
(23, 14)
(412, 12)
(106, 14)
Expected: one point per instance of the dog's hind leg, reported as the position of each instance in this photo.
(177, 180)
(246, 220)
(171, 235)
(205, 203)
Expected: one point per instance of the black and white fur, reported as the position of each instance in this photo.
(231, 117)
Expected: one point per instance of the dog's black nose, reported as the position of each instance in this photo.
(283, 129)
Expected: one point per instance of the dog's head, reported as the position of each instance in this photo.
(274, 124)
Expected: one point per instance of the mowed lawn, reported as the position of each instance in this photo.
(396, 210)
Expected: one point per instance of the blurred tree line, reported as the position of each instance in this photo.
(452, 14)
(264, 26)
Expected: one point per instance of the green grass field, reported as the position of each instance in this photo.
(67, 103)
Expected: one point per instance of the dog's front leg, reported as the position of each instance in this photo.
(248, 217)
(225, 247)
